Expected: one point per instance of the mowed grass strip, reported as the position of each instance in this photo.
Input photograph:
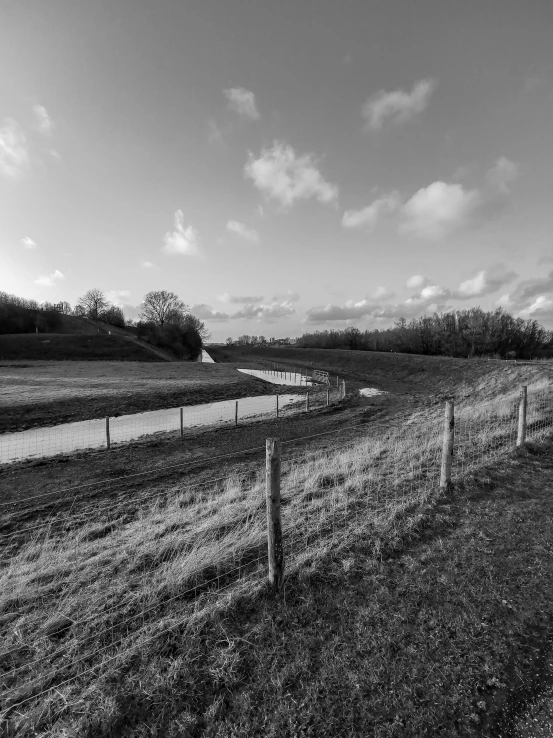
(336, 655)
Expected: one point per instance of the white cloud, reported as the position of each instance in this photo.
(540, 309)
(398, 105)
(50, 279)
(182, 240)
(239, 299)
(269, 312)
(502, 174)
(438, 209)
(483, 283)
(280, 174)
(206, 312)
(147, 264)
(116, 296)
(14, 153)
(242, 101)
(416, 282)
(383, 293)
(28, 243)
(368, 216)
(243, 231)
(43, 120)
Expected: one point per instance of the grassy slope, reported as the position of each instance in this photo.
(433, 625)
(49, 392)
(61, 347)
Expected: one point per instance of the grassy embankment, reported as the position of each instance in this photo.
(360, 646)
(50, 392)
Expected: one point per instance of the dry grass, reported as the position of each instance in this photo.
(85, 602)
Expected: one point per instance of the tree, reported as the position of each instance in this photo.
(191, 322)
(113, 315)
(65, 308)
(93, 303)
(229, 341)
(163, 307)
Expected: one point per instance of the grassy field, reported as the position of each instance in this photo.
(47, 393)
(428, 623)
(404, 613)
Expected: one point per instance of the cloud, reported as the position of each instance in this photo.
(147, 264)
(14, 153)
(206, 312)
(237, 299)
(531, 288)
(182, 240)
(398, 105)
(541, 309)
(438, 209)
(349, 311)
(269, 313)
(483, 283)
(28, 243)
(502, 174)
(368, 216)
(43, 121)
(242, 101)
(50, 279)
(249, 234)
(383, 293)
(289, 295)
(280, 174)
(115, 296)
(416, 282)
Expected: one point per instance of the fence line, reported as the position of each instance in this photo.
(313, 501)
(117, 432)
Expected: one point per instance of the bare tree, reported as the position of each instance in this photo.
(163, 307)
(93, 303)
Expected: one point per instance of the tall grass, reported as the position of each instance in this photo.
(76, 599)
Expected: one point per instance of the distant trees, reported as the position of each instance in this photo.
(92, 303)
(113, 315)
(463, 333)
(162, 307)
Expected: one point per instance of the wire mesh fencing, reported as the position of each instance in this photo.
(90, 589)
(114, 432)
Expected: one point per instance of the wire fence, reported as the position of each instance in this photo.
(115, 432)
(88, 589)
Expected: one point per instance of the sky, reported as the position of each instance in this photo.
(284, 167)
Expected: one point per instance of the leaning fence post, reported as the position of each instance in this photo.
(181, 422)
(327, 397)
(108, 441)
(277, 405)
(521, 436)
(447, 448)
(306, 401)
(236, 413)
(274, 525)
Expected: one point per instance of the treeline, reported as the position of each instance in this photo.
(165, 321)
(463, 333)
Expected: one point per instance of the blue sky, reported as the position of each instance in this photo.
(283, 167)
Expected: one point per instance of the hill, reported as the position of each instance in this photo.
(63, 347)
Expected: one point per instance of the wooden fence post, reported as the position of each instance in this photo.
(306, 401)
(236, 413)
(274, 524)
(447, 448)
(182, 422)
(521, 436)
(337, 382)
(277, 405)
(327, 397)
(108, 441)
